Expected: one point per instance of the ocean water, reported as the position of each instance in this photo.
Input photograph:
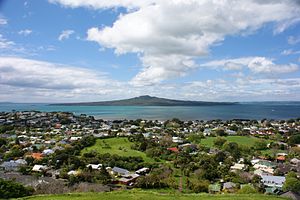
(250, 110)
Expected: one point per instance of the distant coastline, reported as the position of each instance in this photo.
(147, 101)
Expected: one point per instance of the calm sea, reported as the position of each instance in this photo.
(257, 110)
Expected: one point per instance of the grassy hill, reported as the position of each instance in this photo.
(119, 146)
(241, 140)
(148, 195)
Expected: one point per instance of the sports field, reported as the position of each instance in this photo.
(119, 145)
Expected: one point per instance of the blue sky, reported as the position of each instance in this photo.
(76, 50)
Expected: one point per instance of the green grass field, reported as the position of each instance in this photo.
(119, 146)
(150, 195)
(241, 140)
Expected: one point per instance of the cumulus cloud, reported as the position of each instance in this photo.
(22, 72)
(185, 30)
(32, 78)
(27, 80)
(255, 64)
(65, 34)
(25, 32)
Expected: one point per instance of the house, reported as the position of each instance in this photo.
(273, 190)
(11, 165)
(75, 138)
(207, 132)
(173, 149)
(260, 172)
(21, 161)
(73, 173)
(39, 168)
(280, 159)
(128, 179)
(94, 166)
(230, 132)
(273, 181)
(48, 152)
(37, 156)
(177, 140)
(142, 171)
(214, 188)
(265, 166)
(295, 161)
(229, 186)
(237, 166)
(119, 171)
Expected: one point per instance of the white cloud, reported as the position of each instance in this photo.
(27, 80)
(293, 40)
(255, 64)
(183, 29)
(289, 52)
(264, 65)
(96, 4)
(243, 89)
(25, 32)
(22, 72)
(65, 34)
(5, 43)
(3, 21)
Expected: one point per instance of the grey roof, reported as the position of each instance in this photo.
(12, 165)
(229, 185)
(120, 170)
(273, 180)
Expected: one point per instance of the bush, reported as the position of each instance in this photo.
(10, 189)
(200, 186)
(247, 189)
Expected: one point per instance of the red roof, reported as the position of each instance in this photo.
(282, 158)
(174, 149)
(37, 156)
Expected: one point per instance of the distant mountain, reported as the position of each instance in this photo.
(147, 101)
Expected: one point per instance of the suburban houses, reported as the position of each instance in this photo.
(223, 156)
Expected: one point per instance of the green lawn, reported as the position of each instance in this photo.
(241, 140)
(119, 146)
(150, 195)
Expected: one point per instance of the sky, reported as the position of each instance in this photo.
(94, 50)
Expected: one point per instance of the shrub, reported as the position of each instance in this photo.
(11, 189)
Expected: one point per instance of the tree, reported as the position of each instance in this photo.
(199, 186)
(260, 145)
(294, 139)
(104, 175)
(292, 183)
(221, 132)
(195, 138)
(11, 189)
(2, 142)
(233, 149)
(247, 189)
(219, 142)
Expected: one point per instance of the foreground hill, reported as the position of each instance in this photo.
(145, 195)
(147, 101)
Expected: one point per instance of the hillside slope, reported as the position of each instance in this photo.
(148, 195)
